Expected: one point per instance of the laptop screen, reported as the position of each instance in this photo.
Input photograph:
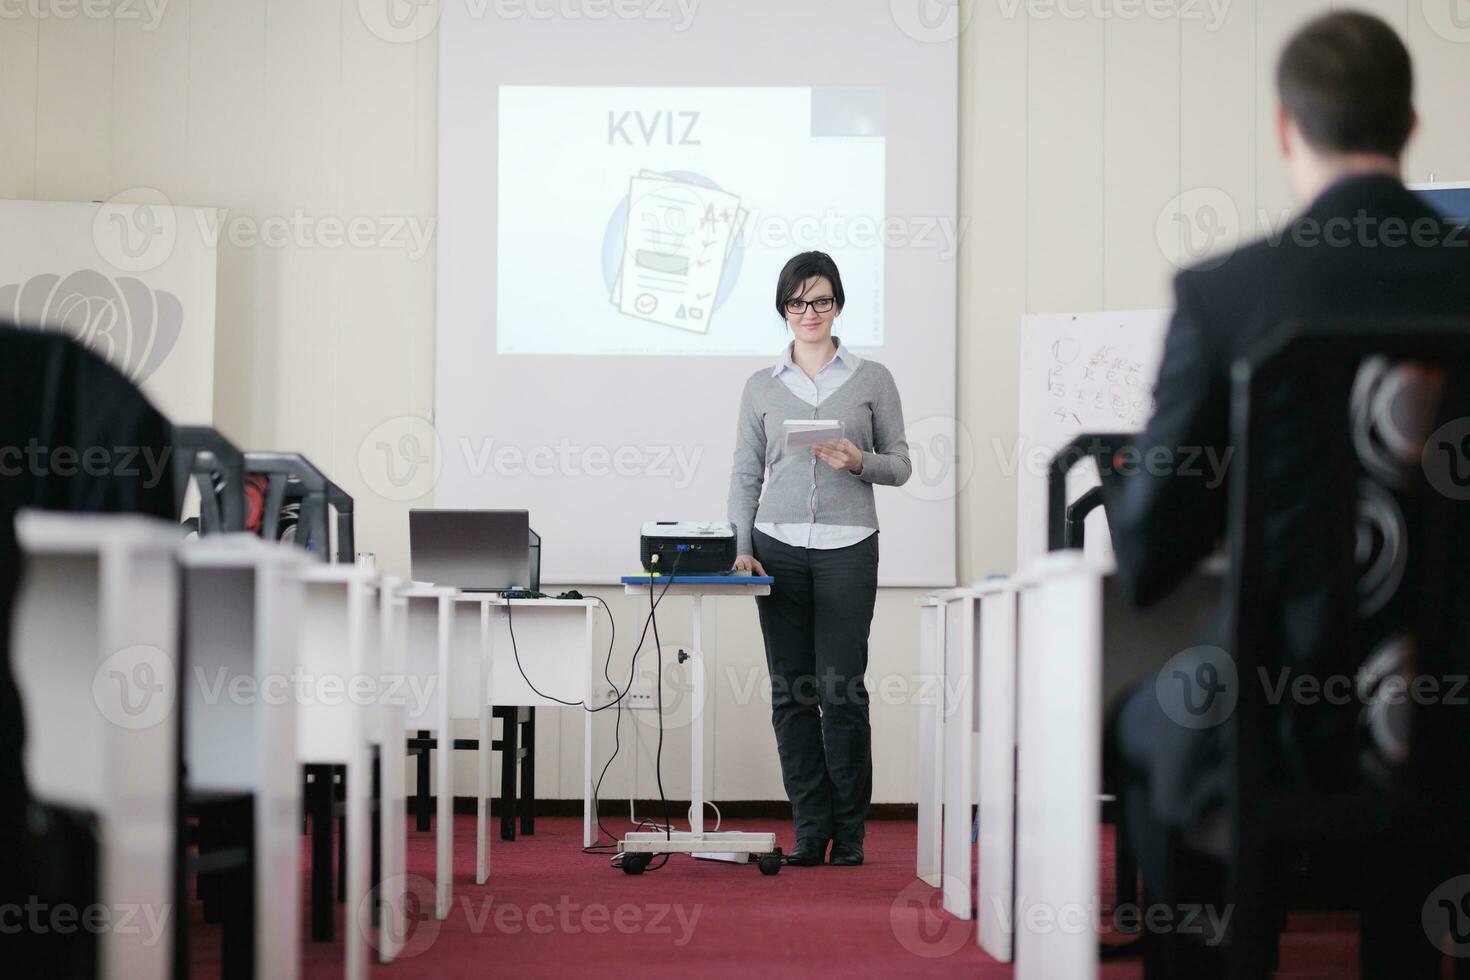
(477, 550)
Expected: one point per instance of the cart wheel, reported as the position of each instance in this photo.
(771, 863)
(634, 863)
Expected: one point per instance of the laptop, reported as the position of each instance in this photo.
(473, 550)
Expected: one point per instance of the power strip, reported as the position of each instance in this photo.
(637, 698)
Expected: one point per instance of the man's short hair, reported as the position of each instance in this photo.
(1347, 80)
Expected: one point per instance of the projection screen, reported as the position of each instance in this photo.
(619, 184)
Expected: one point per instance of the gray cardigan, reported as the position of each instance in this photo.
(803, 489)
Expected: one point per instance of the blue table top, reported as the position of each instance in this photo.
(699, 579)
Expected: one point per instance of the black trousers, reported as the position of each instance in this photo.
(815, 623)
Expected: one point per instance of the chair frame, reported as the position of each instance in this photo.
(1277, 813)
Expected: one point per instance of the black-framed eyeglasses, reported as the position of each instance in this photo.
(797, 307)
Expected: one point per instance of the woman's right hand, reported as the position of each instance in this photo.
(747, 563)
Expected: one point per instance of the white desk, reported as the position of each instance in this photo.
(243, 604)
(931, 728)
(957, 726)
(1060, 695)
(335, 724)
(460, 647)
(392, 710)
(996, 764)
(695, 840)
(96, 658)
(1090, 646)
(430, 668)
(553, 639)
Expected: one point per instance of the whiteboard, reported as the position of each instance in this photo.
(132, 282)
(1080, 372)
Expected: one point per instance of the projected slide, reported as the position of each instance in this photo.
(655, 220)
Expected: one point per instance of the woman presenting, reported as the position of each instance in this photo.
(815, 531)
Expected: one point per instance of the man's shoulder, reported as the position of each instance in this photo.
(1252, 261)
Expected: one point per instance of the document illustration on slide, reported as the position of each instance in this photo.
(647, 220)
(679, 237)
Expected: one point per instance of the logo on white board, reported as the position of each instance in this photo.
(133, 327)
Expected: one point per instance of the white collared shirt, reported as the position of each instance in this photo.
(814, 391)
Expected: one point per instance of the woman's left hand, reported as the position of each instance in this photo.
(840, 455)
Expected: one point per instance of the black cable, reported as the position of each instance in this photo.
(617, 726)
(658, 765)
(618, 702)
(618, 695)
(510, 625)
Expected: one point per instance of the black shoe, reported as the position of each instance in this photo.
(808, 851)
(846, 854)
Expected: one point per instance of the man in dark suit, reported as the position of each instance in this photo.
(1364, 245)
(64, 406)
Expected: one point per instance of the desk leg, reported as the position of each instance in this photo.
(931, 750)
(392, 818)
(444, 770)
(589, 819)
(359, 860)
(696, 723)
(319, 806)
(483, 754)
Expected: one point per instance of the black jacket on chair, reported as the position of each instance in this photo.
(1366, 247)
(59, 396)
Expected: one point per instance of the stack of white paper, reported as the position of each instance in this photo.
(802, 434)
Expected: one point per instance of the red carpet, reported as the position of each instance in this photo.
(551, 911)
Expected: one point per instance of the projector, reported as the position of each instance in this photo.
(701, 547)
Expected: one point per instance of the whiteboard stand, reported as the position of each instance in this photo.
(638, 848)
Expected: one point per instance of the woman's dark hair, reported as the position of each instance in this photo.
(798, 270)
(1347, 80)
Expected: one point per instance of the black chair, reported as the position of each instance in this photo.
(217, 468)
(1387, 781)
(219, 825)
(517, 748)
(223, 868)
(292, 479)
